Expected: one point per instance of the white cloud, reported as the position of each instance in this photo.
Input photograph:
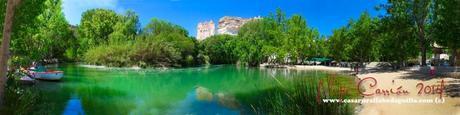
(74, 8)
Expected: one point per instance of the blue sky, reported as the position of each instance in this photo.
(325, 15)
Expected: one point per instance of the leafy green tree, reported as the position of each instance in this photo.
(397, 37)
(299, 38)
(23, 48)
(417, 11)
(7, 30)
(446, 25)
(219, 49)
(95, 27)
(340, 45)
(362, 34)
(161, 44)
(168, 33)
(420, 12)
(320, 48)
(149, 52)
(253, 46)
(278, 40)
(156, 27)
(54, 32)
(126, 28)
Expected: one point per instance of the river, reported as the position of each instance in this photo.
(197, 90)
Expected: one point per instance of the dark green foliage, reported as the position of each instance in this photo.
(54, 32)
(126, 28)
(339, 45)
(40, 31)
(397, 40)
(143, 53)
(390, 38)
(446, 25)
(23, 48)
(22, 99)
(219, 49)
(161, 44)
(278, 40)
(95, 27)
(156, 27)
(253, 44)
(363, 37)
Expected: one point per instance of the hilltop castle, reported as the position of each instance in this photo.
(227, 25)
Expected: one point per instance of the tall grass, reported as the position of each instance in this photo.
(23, 100)
(299, 96)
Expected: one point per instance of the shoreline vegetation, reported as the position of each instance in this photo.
(287, 95)
(107, 38)
(403, 37)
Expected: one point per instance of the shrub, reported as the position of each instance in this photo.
(110, 55)
(142, 53)
(153, 53)
(219, 49)
(299, 96)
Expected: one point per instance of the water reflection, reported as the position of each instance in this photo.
(74, 107)
(157, 91)
(201, 101)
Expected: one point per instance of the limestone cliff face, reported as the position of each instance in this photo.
(230, 25)
(227, 25)
(205, 29)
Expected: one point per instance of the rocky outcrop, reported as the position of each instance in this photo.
(227, 25)
(205, 29)
(231, 25)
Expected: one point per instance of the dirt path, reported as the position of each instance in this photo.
(388, 80)
(408, 80)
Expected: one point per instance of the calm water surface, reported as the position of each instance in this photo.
(198, 90)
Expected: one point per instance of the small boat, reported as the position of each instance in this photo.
(48, 75)
(26, 80)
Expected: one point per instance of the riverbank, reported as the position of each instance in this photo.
(320, 67)
(229, 89)
(408, 79)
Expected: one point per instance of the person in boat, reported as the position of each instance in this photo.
(37, 67)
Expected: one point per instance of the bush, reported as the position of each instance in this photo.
(161, 44)
(142, 53)
(155, 54)
(110, 55)
(299, 97)
(219, 49)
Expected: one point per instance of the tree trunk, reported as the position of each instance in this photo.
(454, 59)
(4, 50)
(423, 48)
(422, 43)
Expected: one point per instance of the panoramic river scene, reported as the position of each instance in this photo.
(230, 57)
(220, 89)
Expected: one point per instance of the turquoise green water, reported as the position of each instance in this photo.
(198, 90)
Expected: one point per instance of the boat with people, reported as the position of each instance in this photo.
(41, 73)
(48, 75)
